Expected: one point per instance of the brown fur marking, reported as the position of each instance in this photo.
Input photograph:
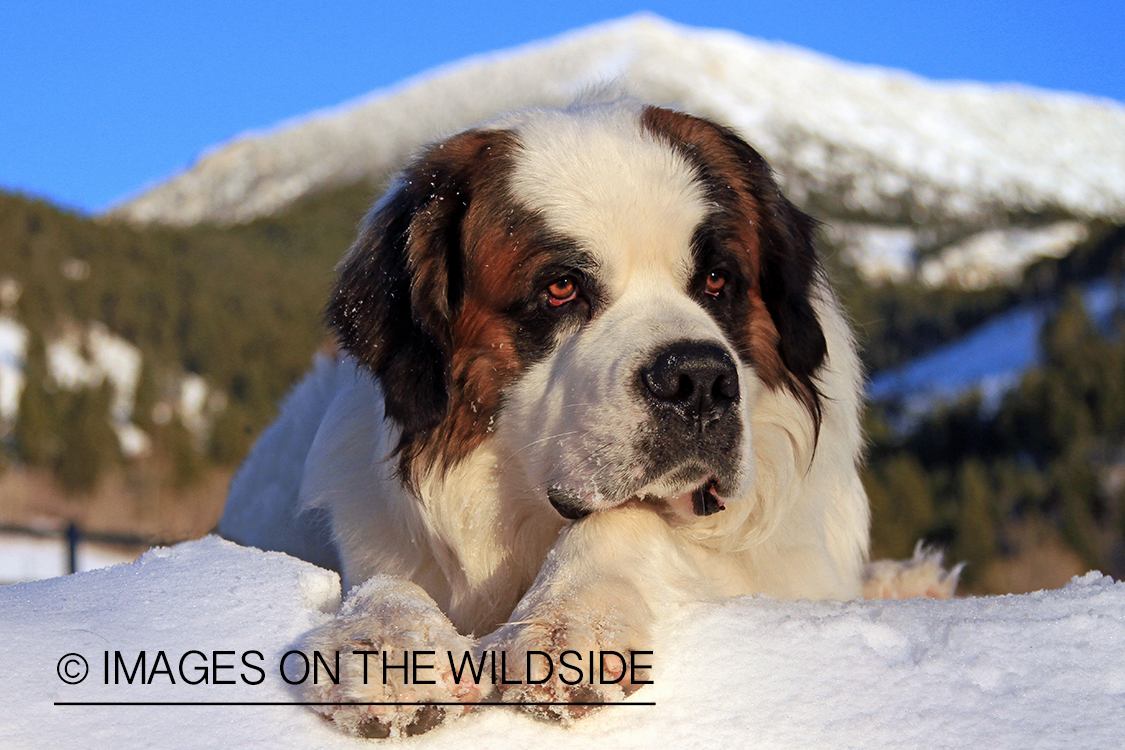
(726, 182)
(498, 258)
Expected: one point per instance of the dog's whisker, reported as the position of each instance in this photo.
(557, 436)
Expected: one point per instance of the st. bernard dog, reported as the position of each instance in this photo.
(591, 369)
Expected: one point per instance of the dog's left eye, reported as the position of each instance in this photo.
(714, 283)
(562, 290)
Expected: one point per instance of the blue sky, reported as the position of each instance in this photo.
(99, 98)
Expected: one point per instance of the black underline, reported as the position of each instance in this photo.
(344, 703)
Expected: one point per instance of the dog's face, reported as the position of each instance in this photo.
(605, 292)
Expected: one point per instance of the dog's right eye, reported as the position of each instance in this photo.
(714, 283)
(562, 290)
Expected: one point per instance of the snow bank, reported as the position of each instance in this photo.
(1042, 670)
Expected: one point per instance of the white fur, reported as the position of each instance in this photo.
(482, 541)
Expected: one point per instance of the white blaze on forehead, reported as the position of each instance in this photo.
(597, 176)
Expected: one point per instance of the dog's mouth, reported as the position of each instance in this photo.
(567, 503)
(703, 500)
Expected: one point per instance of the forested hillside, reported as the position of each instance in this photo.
(1028, 490)
(240, 307)
(1046, 468)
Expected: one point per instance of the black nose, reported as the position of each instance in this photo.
(696, 380)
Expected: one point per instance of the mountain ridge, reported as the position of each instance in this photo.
(854, 143)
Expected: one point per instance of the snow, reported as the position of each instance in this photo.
(850, 140)
(13, 345)
(992, 256)
(83, 359)
(197, 405)
(877, 252)
(997, 256)
(1038, 670)
(990, 359)
(24, 558)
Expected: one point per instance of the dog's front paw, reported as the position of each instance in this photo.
(564, 659)
(396, 649)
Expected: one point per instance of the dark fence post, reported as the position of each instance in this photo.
(72, 535)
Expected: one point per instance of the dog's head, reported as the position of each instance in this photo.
(606, 291)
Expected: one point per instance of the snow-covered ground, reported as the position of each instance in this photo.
(1038, 670)
(84, 358)
(26, 558)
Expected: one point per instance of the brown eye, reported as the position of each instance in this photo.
(716, 280)
(561, 291)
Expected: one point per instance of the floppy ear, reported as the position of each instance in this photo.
(400, 285)
(788, 267)
(741, 184)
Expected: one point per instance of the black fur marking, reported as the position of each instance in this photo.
(536, 320)
(711, 251)
(374, 318)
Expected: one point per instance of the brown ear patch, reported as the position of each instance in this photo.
(425, 297)
(781, 336)
(405, 307)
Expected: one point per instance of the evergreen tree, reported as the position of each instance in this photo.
(902, 505)
(34, 433)
(1076, 486)
(232, 434)
(976, 518)
(147, 394)
(187, 463)
(1068, 335)
(89, 443)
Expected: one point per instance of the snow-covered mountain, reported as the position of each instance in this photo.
(900, 167)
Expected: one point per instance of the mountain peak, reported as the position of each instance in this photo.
(855, 144)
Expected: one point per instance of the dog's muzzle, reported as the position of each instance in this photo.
(690, 388)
